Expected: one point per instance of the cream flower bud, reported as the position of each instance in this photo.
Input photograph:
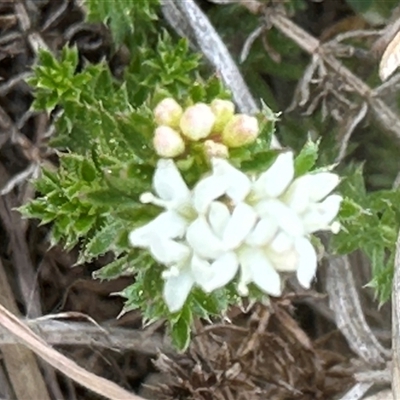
(215, 149)
(197, 121)
(223, 111)
(168, 112)
(241, 129)
(168, 142)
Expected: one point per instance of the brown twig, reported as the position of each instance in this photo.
(389, 121)
(345, 302)
(84, 334)
(357, 391)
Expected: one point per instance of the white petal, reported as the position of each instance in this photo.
(245, 278)
(168, 182)
(281, 243)
(283, 262)
(239, 225)
(218, 217)
(168, 252)
(297, 197)
(263, 232)
(261, 270)
(320, 215)
(307, 265)
(177, 289)
(224, 270)
(202, 239)
(276, 179)
(321, 184)
(286, 218)
(201, 270)
(208, 190)
(168, 224)
(238, 185)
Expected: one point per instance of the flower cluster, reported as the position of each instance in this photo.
(232, 225)
(216, 124)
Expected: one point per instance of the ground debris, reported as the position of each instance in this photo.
(269, 356)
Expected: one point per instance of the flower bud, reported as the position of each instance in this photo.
(197, 121)
(215, 149)
(168, 142)
(168, 112)
(241, 129)
(223, 111)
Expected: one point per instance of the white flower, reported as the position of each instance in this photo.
(230, 225)
(257, 247)
(300, 206)
(191, 270)
(185, 268)
(221, 236)
(287, 211)
(175, 197)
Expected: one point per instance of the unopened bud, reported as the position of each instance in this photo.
(241, 129)
(223, 111)
(168, 142)
(215, 149)
(197, 121)
(168, 112)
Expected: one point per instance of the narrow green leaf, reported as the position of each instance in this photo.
(88, 171)
(180, 330)
(307, 158)
(84, 223)
(109, 198)
(113, 270)
(102, 241)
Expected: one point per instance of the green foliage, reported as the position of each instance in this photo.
(370, 222)
(380, 8)
(124, 17)
(307, 158)
(104, 134)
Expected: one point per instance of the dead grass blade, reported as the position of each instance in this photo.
(90, 381)
(27, 382)
(390, 60)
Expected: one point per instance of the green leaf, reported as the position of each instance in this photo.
(109, 198)
(307, 158)
(88, 171)
(123, 16)
(113, 270)
(350, 210)
(205, 304)
(259, 162)
(84, 223)
(38, 209)
(360, 6)
(180, 330)
(102, 241)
